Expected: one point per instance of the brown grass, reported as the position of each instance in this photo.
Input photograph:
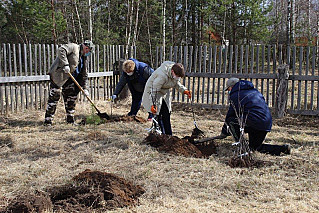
(43, 157)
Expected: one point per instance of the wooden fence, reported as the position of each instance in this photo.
(24, 68)
(24, 79)
(208, 68)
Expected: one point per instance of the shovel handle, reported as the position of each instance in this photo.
(79, 86)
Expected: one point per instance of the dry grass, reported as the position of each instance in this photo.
(48, 156)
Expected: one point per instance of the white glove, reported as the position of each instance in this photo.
(113, 97)
(66, 69)
(86, 92)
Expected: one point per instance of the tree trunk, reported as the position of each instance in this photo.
(149, 35)
(79, 20)
(90, 21)
(164, 25)
(136, 23)
(53, 22)
(282, 90)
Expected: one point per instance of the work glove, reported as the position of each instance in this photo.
(153, 109)
(86, 92)
(66, 69)
(188, 93)
(113, 97)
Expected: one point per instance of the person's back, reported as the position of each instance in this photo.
(252, 105)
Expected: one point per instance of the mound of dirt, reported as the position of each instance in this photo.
(126, 118)
(89, 190)
(178, 146)
(38, 202)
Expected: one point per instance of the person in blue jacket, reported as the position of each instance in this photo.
(135, 74)
(249, 104)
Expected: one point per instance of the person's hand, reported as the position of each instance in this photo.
(86, 92)
(153, 109)
(113, 97)
(188, 93)
(66, 69)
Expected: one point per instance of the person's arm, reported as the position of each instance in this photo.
(120, 85)
(147, 72)
(63, 53)
(180, 87)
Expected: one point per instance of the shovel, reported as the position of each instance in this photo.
(101, 115)
(197, 130)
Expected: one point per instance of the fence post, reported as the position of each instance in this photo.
(282, 90)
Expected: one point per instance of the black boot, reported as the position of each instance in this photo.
(70, 119)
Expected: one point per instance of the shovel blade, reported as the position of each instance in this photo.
(104, 116)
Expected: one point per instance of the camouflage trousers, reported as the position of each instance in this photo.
(69, 93)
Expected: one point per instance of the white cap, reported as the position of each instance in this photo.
(231, 82)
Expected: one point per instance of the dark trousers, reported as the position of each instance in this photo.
(136, 101)
(164, 119)
(256, 138)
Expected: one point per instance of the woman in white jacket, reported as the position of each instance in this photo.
(156, 96)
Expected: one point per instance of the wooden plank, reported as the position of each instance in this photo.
(20, 59)
(225, 70)
(26, 74)
(180, 60)
(175, 60)
(199, 62)
(241, 59)
(251, 60)
(209, 70)
(1, 98)
(219, 71)
(204, 71)
(306, 82)
(49, 57)
(230, 63)
(313, 67)
(44, 60)
(1, 61)
(5, 71)
(214, 71)
(171, 53)
(292, 103)
(257, 64)
(15, 71)
(185, 63)
(262, 67)
(7, 94)
(246, 58)
(299, 82)
(190, 67)
(194, 70)
(10, 74)
(236, 59)
(274, 82)
(40, 59)
(248, 75)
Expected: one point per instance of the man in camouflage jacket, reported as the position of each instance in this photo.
(71, 58)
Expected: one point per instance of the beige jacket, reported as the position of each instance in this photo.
(68, 54)
(158, 87)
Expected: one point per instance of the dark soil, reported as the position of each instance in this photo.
(181, 146)
(89, 190)
(37, 202)
(126, 118)
(118, 118)
(247, 163)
